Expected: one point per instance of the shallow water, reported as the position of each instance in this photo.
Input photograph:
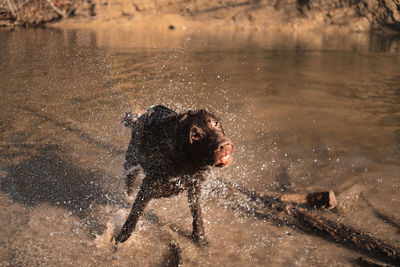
(303, 115)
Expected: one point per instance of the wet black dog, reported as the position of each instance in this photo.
(175, 152)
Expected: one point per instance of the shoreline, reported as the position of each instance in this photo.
(331, 17)
(209, 23)
(156, 33)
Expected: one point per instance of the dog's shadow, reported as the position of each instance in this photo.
(48, 178)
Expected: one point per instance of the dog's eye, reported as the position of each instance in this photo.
(214, 123)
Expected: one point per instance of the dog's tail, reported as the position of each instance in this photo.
(129, 120)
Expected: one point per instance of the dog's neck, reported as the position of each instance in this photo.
(183, 157)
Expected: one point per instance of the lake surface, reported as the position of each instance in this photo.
(306, 113)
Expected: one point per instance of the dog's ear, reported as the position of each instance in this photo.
(195, 134)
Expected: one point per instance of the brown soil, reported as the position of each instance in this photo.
(258, 15)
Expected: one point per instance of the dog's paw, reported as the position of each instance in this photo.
(113, 244)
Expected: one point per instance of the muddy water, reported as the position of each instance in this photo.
(304, 115)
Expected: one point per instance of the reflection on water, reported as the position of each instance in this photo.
(305, 112)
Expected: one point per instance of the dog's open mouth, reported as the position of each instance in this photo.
(224, 161)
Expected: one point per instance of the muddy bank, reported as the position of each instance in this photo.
(281, 15)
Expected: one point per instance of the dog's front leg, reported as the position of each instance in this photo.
(194, 192)
(142, 199)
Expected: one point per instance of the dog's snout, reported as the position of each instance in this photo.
(225, 146)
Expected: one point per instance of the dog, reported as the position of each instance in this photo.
(175, 152)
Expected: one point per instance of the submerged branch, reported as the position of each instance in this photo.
(283, 210)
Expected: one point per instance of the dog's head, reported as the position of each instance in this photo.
(206, 140)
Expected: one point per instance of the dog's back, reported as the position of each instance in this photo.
(152, 115)
(153, 142)
(156, 113)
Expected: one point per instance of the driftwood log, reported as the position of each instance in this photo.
(319, 200)
(286, 210)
